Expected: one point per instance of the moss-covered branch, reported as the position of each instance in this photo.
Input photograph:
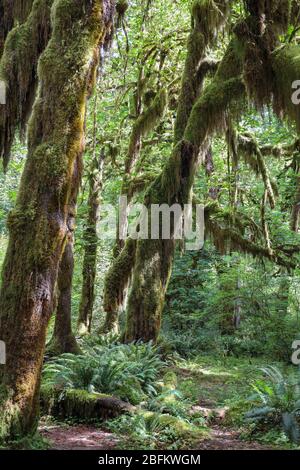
(248, 148)
(12, 12)
(18, 70)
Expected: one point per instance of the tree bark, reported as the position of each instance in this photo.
(154, 258)
(63, 339)
(90, 249)
(38, 224)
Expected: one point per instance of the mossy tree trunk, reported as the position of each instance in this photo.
(63, 339)
(118, 277)
(254, 56)
(116, 282)
(38, 224)
(154, 258)
(91, 245)
(296, 208)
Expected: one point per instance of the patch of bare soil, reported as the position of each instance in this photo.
(227, 439)
(80, 437)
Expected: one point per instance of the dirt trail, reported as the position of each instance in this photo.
(227, 439)
(80, 437)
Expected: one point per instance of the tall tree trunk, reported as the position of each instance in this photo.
(154, 258)
(296, 208)
(119, 274)
(63, 339)
(91, 245)
(38, 224)
(116, 282)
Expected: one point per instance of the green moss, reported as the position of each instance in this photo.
(80, 404)
(144, 124)
(118, 277)
(18, 69)
(131, 391)
(286, 66)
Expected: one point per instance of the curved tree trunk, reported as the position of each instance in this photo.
(38, 224)
(90, 250)
(118, 276)
(154, 258)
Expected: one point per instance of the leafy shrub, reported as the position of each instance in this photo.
(127, 371)
(279, 399)
(155, 430)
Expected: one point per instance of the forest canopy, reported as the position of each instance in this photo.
(189, 106)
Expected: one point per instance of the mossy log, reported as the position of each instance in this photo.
(81, 405)
(38, 224)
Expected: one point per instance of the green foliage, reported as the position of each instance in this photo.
(126, 371)
(202, 318)
(280, 399)
(152, 430)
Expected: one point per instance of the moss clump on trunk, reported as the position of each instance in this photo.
(38, 225)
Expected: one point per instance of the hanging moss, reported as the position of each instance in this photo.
(143, 126)
(249, 149)
(259, 37)
(226, 239)
(18, 69)
(12, 12)
(286, 66)
(121, 9)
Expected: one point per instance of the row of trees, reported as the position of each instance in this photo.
(51, 54)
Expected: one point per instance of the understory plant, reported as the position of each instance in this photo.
(277, 402)
(127, 371)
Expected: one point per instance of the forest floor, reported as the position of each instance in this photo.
(81, 437)
(219, 393)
